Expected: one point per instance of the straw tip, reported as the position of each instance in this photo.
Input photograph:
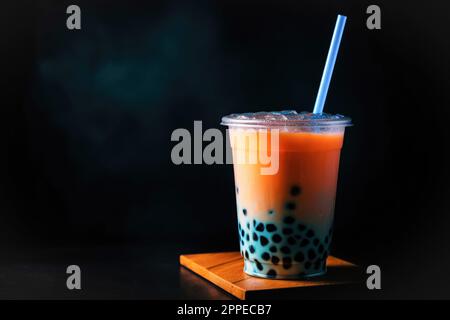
(342, 17)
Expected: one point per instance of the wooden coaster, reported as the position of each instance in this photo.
(225, 269)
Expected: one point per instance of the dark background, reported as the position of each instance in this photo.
(86, 118)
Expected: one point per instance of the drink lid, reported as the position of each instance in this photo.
(285, 118)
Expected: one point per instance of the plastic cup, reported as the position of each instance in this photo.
(285, 219)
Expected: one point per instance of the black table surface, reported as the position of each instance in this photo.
(116, 272)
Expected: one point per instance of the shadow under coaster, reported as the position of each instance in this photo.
(226, 270)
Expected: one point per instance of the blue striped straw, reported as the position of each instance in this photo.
(329, 65)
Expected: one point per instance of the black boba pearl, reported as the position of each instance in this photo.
(273, 249)
(255, 237)
(285, 250)
(310, 234)
(247, 237)
(252, 249)
(271, 227)
(295, 190)
(321, 248)
(299, 257)
(258, 265)
(301, 227)
(239, 226)
(308, 265)
(243, 233)
(244, 211)
(290, 205)
(260, 227)
(263, 240)
(298, 237)
(254, 222)
(265, 256)
(316, 241)
(291, 240)
(276, 238)
(287, 262)
(288, 220)
(242, 242)
(246, 254)
(287, 231)
(311, 254)
(271, 212)
(304, 243)
(248, 225)
(317, 264)
(275, 259)
(271, 273)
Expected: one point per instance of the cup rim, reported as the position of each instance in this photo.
(234, 120)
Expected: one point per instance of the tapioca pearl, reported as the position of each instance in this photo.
(307, 265)
(320, 249)
(273, 249)
(299, 257)
(291, 240)
(290, 205)
(270, 227)
(246, 254)
(242, 242)
(298, 237)
(265, 256)
(310, 233)
(288, 220)
(287, 262)
(251, 249)
(275, 259)
(263, 240)
(311, 254)
(276, 238)
(271, 212)
(301, 227)
(254, 222)
(316, 242)
(295, 190)
(285, 250)
(287, 231)
(247, 237)
(242, 233)
(304, 243)
(318, 264)
(260, 227)
(259, 265)
(244, 211)
(239, 226)
(271, 273)
(255, 237)
(248, 226)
